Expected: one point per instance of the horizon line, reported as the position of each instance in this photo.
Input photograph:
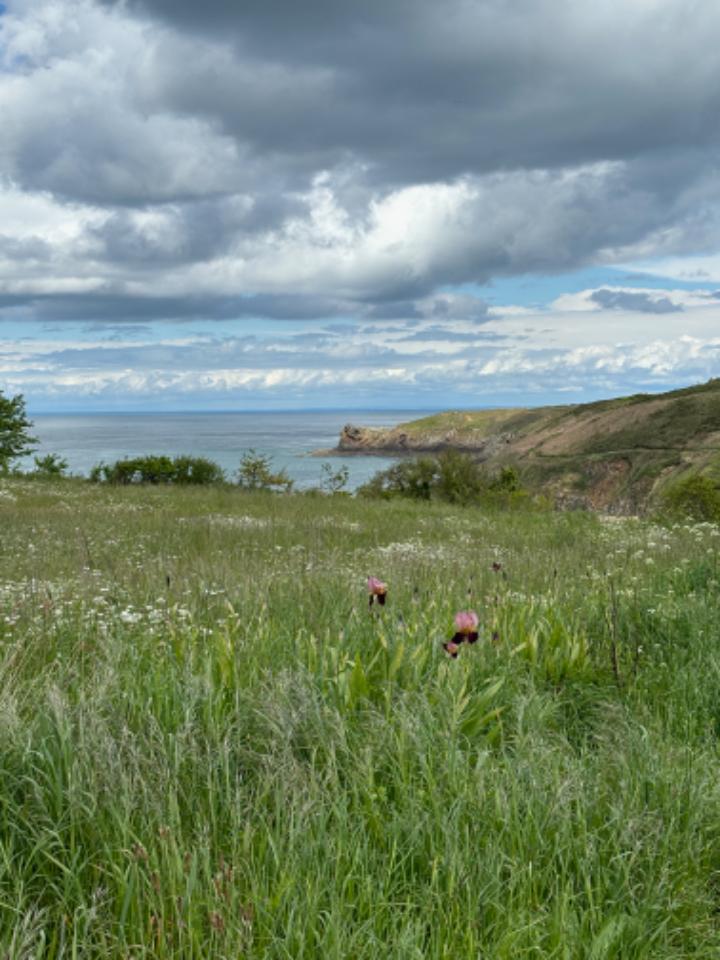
(36, 412)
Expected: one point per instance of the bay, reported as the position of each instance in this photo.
(289, 438)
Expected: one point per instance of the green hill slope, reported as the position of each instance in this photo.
(615, 455)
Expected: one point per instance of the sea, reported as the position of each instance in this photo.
(289, 438)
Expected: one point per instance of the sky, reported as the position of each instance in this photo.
(401, 204)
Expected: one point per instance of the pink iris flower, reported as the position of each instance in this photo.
(377, 590)
(466, 624)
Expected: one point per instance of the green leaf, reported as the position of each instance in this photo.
(358, 685)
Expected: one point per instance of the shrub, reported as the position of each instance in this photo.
(696, 497)
(507, 481)
(334, 481)
(256, 473)
(158, 469)
(460, 479)
(51, 465)
(452, 476)
(197, 470)
(415, 478)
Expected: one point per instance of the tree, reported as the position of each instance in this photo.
(15, 440)
(256, 473)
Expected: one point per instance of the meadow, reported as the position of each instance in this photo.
(211, 746)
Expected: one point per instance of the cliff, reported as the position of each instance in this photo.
(614, 455)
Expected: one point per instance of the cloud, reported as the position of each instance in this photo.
(356, 169)
(427, 91)
(367, 153)
(634, 300)
(110, 306)
(470, 380)
(442, 334)
(515, 357)
(407, 245)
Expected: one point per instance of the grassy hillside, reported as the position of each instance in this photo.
(213, 748)
(616, 455)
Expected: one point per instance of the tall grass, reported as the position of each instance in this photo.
(211, 747)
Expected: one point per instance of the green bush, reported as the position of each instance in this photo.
(256, 473)
(197, 470)
(414, 478)
(51, 465)
(452, 476)
(158, 469)
(696, 497)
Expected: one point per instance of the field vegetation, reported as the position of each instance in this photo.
(213, 746)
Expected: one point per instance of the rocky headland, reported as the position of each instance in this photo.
(612, 455)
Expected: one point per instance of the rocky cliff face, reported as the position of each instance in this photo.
(614, 455)
(399, 441)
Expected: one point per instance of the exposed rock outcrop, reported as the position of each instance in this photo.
(354, 439)
(613, 455)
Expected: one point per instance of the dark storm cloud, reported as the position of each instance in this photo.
(394, 310)
(114, 307)
(415, 90)
(424, 91)
(628, 300)
(188, 232)
(349, 159)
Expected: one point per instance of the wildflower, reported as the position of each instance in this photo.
(377, 590)
(466, 622)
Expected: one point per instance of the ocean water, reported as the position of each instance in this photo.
(289, 438)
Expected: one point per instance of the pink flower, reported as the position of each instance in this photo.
(466, 621)
(377, 590)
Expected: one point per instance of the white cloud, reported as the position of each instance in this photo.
(547, 353)
(364, 162)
